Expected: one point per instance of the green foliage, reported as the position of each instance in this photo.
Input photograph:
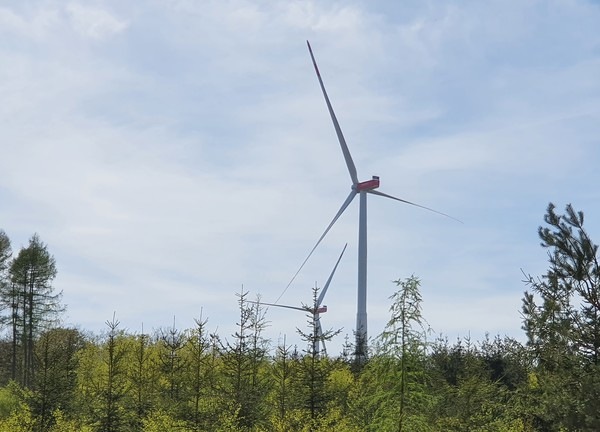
(160, 421)
(55, 379)
(63, 424)
(30, 301)
(10, 399)
(246, 382)
(20, 420)
(188, 380)
(399, 364)
(561, 317)
(314, 368)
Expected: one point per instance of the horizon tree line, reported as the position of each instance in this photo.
(59, 379)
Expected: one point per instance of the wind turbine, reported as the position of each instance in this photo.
(317, 309)
(361, 189)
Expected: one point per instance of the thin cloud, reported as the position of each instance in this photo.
(169, 152)
(95, 23)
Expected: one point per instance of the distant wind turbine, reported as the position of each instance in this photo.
(362, 189)
(317, 309)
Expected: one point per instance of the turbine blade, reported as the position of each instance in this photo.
(324, 290)
(278, 305)
(376, 192)
(339, 213)
(336, 125)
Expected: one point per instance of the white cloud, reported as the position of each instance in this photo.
(168, 169)
(94, 23)
(37, 24)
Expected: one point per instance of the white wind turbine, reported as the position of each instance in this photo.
(317, 309)
(361, 189)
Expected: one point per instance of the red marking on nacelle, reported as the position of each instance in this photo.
(369, 184)
(322, 309)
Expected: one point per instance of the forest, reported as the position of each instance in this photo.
(60, 379)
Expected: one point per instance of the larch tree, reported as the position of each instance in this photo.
(400, 358)
(33, 302)
(7, 304)
(5, 255)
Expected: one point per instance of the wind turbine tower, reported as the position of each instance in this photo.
(361, 189)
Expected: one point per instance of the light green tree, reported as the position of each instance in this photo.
(391, 394)
(103, 391)
(246, 381)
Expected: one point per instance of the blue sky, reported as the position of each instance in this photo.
(170, 151)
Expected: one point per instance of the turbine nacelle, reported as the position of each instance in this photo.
(367, 185)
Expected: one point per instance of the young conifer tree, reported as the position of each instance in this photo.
(401, 353)
(314, 367)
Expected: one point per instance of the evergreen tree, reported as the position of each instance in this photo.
(33, 302)
(400, 359)
(102, 384)
(143, 376)
(314, 367)
(561, 317)
(115, 389)
(171, 343)
(246, 382)
(5, 255)
(55, 381)
(200, 378)
(7, 306)
(282, 368)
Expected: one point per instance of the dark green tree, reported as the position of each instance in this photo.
(8, 309)
(5, 255)
(200, 378)
(32, 300)
(115, 389)
(56, 378)
(102, 383)
(314, 367)
(561, 317)
(283, 370)
(171, 343)
(478, 386)
(142, 376)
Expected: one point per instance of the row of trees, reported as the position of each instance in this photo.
(193, 380)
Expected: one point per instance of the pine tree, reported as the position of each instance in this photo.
(561, 317)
